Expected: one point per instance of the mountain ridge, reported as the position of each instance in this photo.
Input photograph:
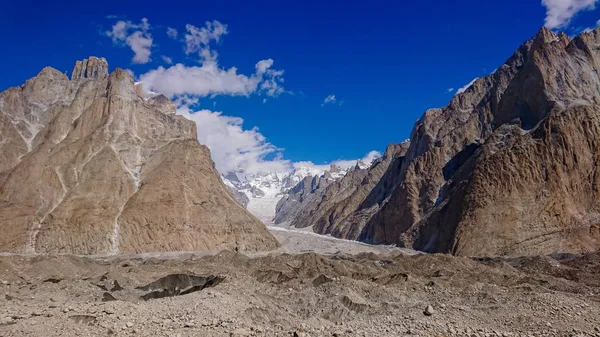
(88, 169)
(260, 193)
(448, 196)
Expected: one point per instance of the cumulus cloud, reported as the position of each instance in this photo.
(172, 33)
(197, 40)
(463, 89)
(233, 147)
(167, 59)
(209, 78)
(136, 36)
(560, 12)
(331, 99)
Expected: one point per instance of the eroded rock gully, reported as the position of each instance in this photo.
(91, 165)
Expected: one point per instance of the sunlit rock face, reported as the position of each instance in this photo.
(89, 165)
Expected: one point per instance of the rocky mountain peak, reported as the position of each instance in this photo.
(333, 168)
(89, 166)
(394, 150)
(92, 67)
(544, 35)
(506, 168)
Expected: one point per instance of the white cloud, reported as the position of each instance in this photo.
(331, 99)
(560, 12)
(186, 101)
(210, 79)
(167, 59)
(235, 148)
(197, 40)
(463, 89)
(342, 163)
(172, 33)
(136, 36)
(232, 147)
(450, 89)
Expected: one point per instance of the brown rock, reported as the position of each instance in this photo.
(475, 185)
(343, 208)
(110, 171)
(508, 167)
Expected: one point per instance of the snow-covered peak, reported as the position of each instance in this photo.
(363, 165)
(264, 190)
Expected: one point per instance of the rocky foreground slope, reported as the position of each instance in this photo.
(508, 167)
(88, 165)
(233, 295)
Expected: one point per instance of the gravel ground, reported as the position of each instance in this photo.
(345, 289)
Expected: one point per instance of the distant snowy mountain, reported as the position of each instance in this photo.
(260, 193)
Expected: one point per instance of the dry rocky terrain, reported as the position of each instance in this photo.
(382, 293)
(118, 223)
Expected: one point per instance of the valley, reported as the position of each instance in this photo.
(350, 292)
(118, 220)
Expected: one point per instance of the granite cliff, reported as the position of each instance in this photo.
(508, 167)
(89, 165)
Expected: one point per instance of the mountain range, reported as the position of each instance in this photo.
(94, 165)
(508, 167)
(261, 192)
(91, 165)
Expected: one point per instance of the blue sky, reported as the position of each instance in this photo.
(385, 62)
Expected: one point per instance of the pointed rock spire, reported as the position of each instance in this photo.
(92, 67)
(544, 36)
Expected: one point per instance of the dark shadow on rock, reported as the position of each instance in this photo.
(52, 280)
(107, 297)
(109, 285)
(391, 279)
(272, 276)
(84, 319)
(353, 305)
(178, 284)
(321, 279)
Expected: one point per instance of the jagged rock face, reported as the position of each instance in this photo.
(438, 137)
(89, 166)
(524, 192)
(239, 196)
(299, 196)
(343, 208)
(92, 67)
(519, 192)
(508, 167)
